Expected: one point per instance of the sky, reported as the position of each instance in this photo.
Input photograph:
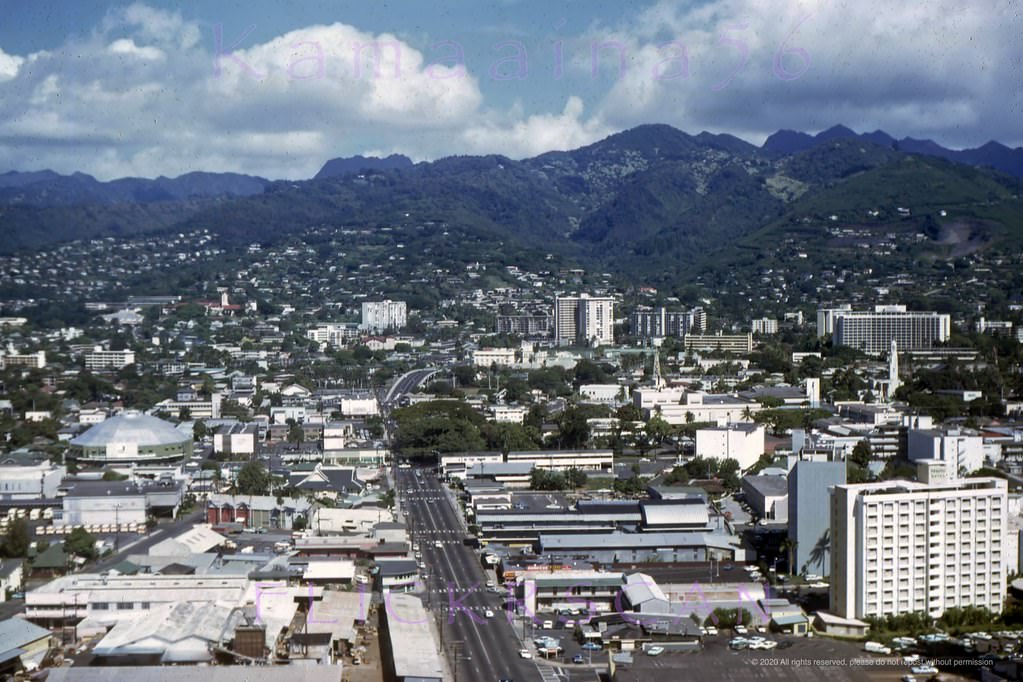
(275, 88)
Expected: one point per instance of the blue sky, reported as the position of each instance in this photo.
(117, 89)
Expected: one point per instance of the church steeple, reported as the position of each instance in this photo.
(658, 379)
(893, 371)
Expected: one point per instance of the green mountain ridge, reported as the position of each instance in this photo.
(651, 202)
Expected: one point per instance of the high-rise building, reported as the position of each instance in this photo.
(661, 322)
(904, 547)
(584, 319)
(378, 316)
(826, 318)
(809, 514)
(873, 332)
(765, 325)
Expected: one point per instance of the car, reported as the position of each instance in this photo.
(741, 630)
(488, 614)
(711, 630)
(923, 670)
(908, 678)
(738, 643)
(438, 544)
(548, 625)
(578, 658)
(655, 651)
(525, 653)
(591, 646)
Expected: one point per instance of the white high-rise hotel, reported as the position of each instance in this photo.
(873, 331)
(584, 319)
(378, 316)
(903, 547)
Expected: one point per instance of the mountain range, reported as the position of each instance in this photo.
(652, 198)
(991, 155)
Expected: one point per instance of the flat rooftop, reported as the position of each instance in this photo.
(413, 646)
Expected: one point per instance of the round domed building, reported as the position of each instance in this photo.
(131, 438)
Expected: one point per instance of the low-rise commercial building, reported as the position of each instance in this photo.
(768, 497)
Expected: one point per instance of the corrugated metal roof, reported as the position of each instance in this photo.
(18, 632)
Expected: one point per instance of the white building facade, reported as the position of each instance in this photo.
(379, 316)
(584, 319)
(904, 547)
(962, 453)
(742, 442)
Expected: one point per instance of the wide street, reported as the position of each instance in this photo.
(482, 648)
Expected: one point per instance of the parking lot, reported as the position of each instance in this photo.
(796, 658)
(806, 659)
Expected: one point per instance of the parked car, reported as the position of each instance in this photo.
(525, 653)
(578, 658)
(923, 670)
(591, 646)
(655, 651)
(741, 629)
(488, 613)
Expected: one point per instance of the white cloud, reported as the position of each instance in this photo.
(158, 101)
(127, 46)
(537, 133)
(939, 69)
(9, 65)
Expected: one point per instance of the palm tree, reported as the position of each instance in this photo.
(821, 551)
(747, 414)
(788, 545)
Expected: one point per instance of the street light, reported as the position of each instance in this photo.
(117, 526)
(455, 658)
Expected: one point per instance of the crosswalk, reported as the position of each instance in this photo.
(547, 673)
